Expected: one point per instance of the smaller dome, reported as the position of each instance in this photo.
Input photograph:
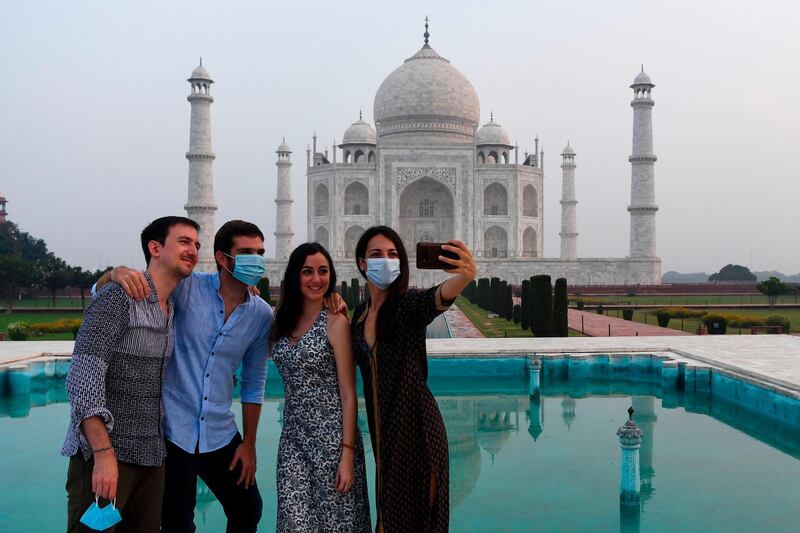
(200, 73)
(642, 79)
(492, 133)
(284, 147)
(359, 132)
(568, 150)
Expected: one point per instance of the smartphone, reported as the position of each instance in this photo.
(428, 256)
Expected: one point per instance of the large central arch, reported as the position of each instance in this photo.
(426, 213)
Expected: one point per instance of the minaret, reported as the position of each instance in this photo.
(3, 212)
(643, 192)
(569, 224)
(283, 201)
(200, 206)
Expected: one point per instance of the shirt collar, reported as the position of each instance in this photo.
(153, 292)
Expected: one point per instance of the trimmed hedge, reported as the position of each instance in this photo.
(65, 325)
(560, 301)
(542, 316)
(18, 331)
(716, 324)
(525, 305)
(663, 318)
(627, 314)
(517, 313)
(776, 320)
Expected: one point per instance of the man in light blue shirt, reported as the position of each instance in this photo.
(219, 326)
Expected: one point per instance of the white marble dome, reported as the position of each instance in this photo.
(568, 150)
(492, 133)
(359, 132)
(642, 79)
(200, 73)
(426, 85)
(283, 147)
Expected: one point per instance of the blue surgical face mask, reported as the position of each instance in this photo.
(248, 268)
(101, 518)
(382, 271)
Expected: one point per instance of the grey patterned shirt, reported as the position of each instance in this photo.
(117, 372)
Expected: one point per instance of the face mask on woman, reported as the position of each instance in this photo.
(382, 271)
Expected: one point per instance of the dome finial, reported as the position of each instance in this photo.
(642, 67)
(359, 115)
(201, 61)
(491, 116)
(426, 34)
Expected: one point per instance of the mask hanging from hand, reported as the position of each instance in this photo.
(101, 518)
(248, 268)
(382, 271)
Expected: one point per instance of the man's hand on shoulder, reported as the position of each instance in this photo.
(335, 304)
(132, 281)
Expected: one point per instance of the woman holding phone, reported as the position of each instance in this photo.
(407, 431)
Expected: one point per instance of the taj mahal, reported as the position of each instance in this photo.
(429, 169)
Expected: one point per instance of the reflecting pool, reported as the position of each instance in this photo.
(548, 463)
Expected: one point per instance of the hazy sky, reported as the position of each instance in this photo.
(95, 122)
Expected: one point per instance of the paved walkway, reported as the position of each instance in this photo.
(460, 326)
(594, 325)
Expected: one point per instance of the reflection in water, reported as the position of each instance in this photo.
(535, 416)
(483, 416)
(568, 412)
(645, 416)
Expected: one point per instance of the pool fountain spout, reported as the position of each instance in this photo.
(630, 440)
(534, 376)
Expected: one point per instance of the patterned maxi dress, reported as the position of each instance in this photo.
(407, 430)
(311, 441)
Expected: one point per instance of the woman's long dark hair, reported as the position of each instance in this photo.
(291, 305)
(397, 289)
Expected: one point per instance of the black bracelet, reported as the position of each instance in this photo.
(102, 449)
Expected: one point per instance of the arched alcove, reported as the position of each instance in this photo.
(321, 200)
(356, 199)
(495, 242)
(495, 200)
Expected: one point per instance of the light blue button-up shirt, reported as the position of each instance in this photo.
(199, 381)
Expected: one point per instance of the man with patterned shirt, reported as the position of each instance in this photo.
(115, 438)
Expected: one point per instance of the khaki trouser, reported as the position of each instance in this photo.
(140, 490)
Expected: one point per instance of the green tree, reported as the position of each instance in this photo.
(560, 316)
(542, 315)
(355, 293)
(483, 293)
(772, 288)
(83, 280)
(345, 294)
(15, 275)
(55, 276)
(524, 311)
(733, 273)
(264, 290)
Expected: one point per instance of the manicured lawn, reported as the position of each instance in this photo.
(32, 318)
(690, 324)
(48, 302)
(495, 327)
(670, 300)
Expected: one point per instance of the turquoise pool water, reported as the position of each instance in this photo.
(517, 464)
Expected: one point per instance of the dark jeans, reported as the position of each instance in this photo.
(242, 506)
(139, 496)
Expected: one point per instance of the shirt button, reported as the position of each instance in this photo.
(202, 418)
(208, 375)
(206, 398)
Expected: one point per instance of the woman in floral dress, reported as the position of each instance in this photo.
(321, 476)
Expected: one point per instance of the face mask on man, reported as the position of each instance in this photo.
(248, 268)
(382, 271)
(101, 518)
